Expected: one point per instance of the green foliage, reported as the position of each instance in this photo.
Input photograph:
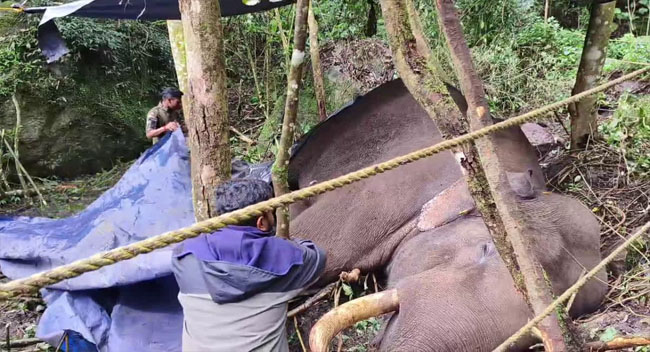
(529, 67)
(485, 20)
(635, 16)
(343, 19)
(608, 335)
(627, 48)
(114, 69)
(368, 325)
(20, 61)
(629, 129)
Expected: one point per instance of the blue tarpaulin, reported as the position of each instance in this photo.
(132, 305)
(53, 47)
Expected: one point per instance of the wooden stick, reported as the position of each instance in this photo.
(29, 178)
(8, 337)
(16, 141)
(302, 343)
(242, 136)
(312, 300)
(618, 343)
(19, 343)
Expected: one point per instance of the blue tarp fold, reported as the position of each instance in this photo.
(132, 305)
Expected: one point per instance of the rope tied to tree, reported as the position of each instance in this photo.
(37, 281)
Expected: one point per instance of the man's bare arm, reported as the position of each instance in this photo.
(170, 127)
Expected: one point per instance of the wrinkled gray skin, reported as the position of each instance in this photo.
(455, 292)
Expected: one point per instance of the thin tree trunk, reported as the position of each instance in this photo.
(283, 37)
(207, 106)
(583, 114)
(314, 51)
(371, 24)
(3, 178)
(413, 61)
(280, 172)
(536, 288)
(547, 5)
(19, 122)
(177, 43)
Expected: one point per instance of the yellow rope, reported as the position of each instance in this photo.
(571, 290)
(33, 283)
(11, 9)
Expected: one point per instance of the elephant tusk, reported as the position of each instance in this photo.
(349, 313)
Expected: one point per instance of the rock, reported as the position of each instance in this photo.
(540, 138)
(68, 140)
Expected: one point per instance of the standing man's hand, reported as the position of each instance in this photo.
(172, 126)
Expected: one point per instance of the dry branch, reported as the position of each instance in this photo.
(19, 165)
(14, 99)
(242, 136)
(618, 343)
(312, 300)
(21, 343)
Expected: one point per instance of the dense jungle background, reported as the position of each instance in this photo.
(72, 127)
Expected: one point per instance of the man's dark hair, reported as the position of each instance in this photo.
(171, 92)
(240, 193)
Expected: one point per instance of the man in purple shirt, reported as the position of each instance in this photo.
(235, 283)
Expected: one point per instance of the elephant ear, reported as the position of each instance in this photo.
(522, 184)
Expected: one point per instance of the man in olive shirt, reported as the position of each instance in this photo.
(167, 116)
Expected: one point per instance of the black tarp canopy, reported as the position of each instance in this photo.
(53, 47)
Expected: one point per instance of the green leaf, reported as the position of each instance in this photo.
(347, 290)
(608, 335)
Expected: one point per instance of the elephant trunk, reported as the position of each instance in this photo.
(349, 313)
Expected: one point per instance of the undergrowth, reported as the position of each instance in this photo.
(629, 130)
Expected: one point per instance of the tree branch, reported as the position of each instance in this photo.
(280, 170)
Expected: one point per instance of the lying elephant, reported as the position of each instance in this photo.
(418, 223)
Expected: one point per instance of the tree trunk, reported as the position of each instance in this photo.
(314, 51)
(371, 24)
(177, 43)
(584, 113)
(536, 289)
(280, 172)
(494, 201)
(207, 106)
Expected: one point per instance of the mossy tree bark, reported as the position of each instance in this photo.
(317, 70)
(207, 107)
(177, 44)
(485, 177)
(536, 288)
(583, 114)
(280, 171)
